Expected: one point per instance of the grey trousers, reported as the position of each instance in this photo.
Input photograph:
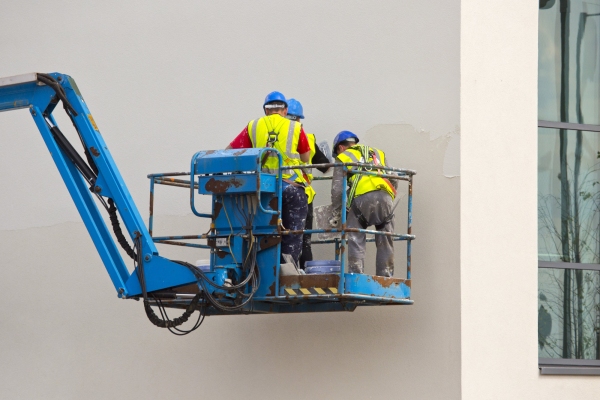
(375, 207)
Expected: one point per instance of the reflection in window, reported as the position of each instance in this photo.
(568, 313)
(569, 67)
(568, 196)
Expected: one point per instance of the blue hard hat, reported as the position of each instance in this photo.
(342, 136)
(295, 108)
(275, 96)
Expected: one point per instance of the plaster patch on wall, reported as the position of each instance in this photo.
(442, 151)
(452, 155)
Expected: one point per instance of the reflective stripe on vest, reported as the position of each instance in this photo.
(310, 192)
(290, 149)
(311, 143)
(366, 183)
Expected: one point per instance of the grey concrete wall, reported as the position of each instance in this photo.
(165, 79)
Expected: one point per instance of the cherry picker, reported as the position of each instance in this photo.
(245, 275)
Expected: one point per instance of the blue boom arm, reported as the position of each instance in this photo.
(99, 176)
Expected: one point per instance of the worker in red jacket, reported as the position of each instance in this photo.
(288, 137)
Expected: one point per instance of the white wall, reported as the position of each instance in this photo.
(165, 79)
(499, 208)
(498, 199)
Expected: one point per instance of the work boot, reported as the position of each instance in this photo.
(386, 272)
(355, 265)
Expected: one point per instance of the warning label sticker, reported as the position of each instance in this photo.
(92, 121)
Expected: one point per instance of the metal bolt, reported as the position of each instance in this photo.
(147, 257)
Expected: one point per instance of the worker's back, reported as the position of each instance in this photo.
(277, 132)
(361, 184)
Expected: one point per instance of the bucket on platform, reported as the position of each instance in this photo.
(322, 267)
(204, 265)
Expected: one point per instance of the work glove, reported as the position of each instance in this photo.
(335, 219)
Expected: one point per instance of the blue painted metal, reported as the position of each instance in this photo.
(237, 183)
(322, 267)
(230, 176)
(182, 237)
(305, 304)
(378, 286)
(370, 173)
(344, 236)
(84, 202)
(337, 240)
(168, 174)
(399, 171)
(40, 100)
(409, 231)
(167, 179)
(396, 236)
(280, 305)
(184, 244)
(224, 161)
(151, 208)
(245, 215)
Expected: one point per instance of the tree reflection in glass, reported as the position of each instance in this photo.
(569, 91)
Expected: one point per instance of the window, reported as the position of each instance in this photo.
(569, 187)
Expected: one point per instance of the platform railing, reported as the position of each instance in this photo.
(169, 179)
(341, 243)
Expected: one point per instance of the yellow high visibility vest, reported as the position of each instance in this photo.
(366, 183)
(311, 143)
(282, 134)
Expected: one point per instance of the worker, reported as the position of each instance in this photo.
(369, 202)
(296, 113)
(274, 130)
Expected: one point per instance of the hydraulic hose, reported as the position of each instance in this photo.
(114, 221)
(171, 323)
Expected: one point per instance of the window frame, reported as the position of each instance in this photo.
(562, 366)
(565, 366)
(568, 125)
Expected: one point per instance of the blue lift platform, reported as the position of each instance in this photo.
(245, 274)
